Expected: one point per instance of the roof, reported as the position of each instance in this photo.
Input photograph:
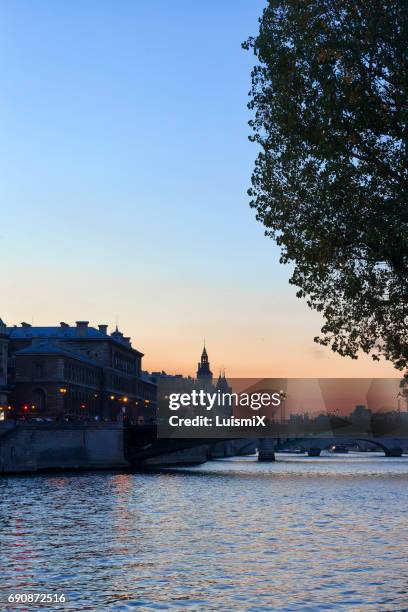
(66, 332)
(21, 333)
(146, 377)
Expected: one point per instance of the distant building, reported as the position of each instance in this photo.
(177, 383)
(204, 378)
(204, 374)
(361, 413)
(222, 384)
(77, 372)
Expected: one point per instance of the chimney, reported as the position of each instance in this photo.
(82, 327)
(103, 329)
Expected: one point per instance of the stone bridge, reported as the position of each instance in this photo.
(392, 447)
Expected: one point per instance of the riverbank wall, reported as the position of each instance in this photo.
(30, 447)
(33, 446)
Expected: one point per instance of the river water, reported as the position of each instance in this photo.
(326, 533)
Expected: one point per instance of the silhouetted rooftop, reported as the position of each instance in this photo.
(20, 333)
(66, 332)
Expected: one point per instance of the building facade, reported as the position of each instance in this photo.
(4, 389)
(73, 372)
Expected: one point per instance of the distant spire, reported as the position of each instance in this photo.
(222, 383)
(203, 370)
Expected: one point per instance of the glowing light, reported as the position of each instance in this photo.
(63, 390)
(112, 397)
(125, 399)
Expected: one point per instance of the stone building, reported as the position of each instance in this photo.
(4, 389)
(74, 372)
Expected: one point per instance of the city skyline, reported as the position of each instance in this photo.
(124, 187)
(218, 369)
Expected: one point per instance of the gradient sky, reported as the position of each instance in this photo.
(124, 167)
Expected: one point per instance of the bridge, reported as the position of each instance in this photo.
(141, 443)
(313, 446)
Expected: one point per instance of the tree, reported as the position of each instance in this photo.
(330, 183)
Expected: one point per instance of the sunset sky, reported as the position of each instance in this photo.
(124, 169)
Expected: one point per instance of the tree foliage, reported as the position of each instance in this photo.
(329, 95)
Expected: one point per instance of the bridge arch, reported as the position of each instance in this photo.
(389, 452)
(315, 445)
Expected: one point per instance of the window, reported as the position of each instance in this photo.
(38, 370)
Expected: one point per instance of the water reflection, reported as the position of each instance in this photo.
(300, 534)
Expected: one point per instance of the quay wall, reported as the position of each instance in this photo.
(188, 456)
(206, 452)
(30, 447)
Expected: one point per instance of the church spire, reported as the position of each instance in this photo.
(203, 367)
(222, 383)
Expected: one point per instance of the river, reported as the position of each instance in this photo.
(307, 534)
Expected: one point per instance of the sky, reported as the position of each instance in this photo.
(124, 166)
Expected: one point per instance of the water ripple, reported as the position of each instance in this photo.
(301, 534)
